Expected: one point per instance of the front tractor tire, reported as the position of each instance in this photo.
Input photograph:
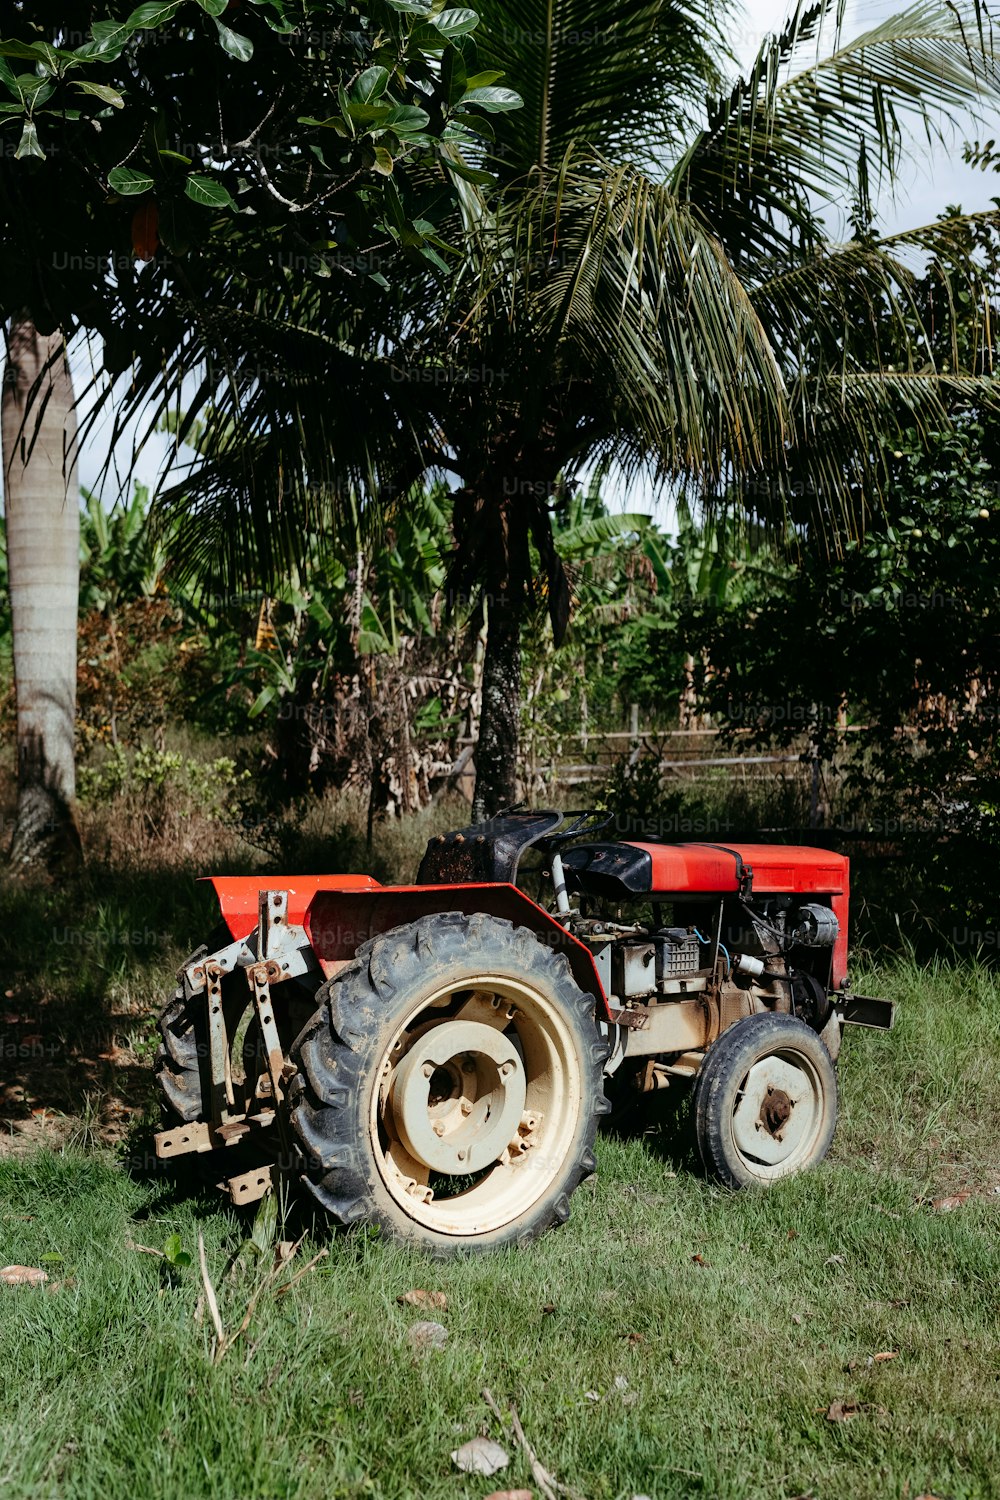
(765, 1101)
(449, 1086)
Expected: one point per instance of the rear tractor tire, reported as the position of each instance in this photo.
(449, 1086)
(765, 1101)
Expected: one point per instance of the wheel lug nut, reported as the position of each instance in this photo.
(428, 1069)
(466, 1107)
(438, 1127)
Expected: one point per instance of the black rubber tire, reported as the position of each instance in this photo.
(343, 1050)
(718, 1093)
(181, 1061)
(183, 1043)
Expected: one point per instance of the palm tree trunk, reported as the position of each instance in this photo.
(43, 558)
(499, 723)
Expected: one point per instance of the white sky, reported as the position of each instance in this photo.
(935, 180)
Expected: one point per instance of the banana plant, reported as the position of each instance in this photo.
(120, 559)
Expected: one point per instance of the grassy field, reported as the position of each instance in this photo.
(671, 1340)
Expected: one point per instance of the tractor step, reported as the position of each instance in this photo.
(248, 1187)
(201, 1136)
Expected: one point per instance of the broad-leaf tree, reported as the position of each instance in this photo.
(147, 156)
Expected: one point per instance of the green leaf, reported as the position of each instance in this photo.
(319, 612)
(240, 47)
(383, 161)
(213, 7)
(454, 81)
(455, 22)
(166, 155)
(274, 15)
(429, 253)
(207, 191)
(263, 698)
(265, 1224)
(470, 174)
(6, 76)
(181, 1259)
(394, 205)
(32, 51)
(367, 114)
(371, 85)
(29, 145)
(49, 57)
(411, 7)
(406, 118)
(101, 91)
(109, 41)
(153, 14)
(50, 1258)
(345, 105)
(484, 79)
(493, 100)
(128, 182)
(172, 1247)
(470, 130)
(34, 90)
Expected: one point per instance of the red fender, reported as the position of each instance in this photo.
(238, 895)
(339, 921)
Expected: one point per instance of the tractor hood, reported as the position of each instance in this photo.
(638, 869)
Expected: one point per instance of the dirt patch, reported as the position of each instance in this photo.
(62, 1081)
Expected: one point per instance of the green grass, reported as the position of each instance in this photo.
(731, 1361)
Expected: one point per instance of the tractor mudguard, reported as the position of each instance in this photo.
(338, 922)
(239, 895)
(340, 912)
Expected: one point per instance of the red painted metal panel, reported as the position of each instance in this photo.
(777, 868)
(794, 869)
(338, 922)
(685, 868)
(840, 905)
(238, 895)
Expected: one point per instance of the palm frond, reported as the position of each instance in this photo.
(818, 114)
(862, 305)
(838, 465)
(301, 406)
(614, 283)
(622, 78)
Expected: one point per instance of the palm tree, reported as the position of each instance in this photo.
(654, 286)
(43, 561)
(667, 296)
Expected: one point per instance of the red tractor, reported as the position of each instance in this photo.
(434, 1058)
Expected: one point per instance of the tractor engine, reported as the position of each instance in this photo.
(776, 959)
